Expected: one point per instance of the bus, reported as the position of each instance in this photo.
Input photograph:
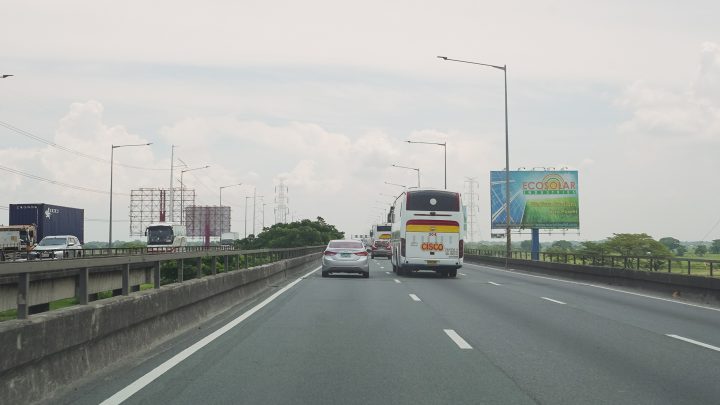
(380, 232)
(427, 232)
(165, 237)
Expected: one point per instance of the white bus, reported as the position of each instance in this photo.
(164, 236)
(381, 232)
(427, 232)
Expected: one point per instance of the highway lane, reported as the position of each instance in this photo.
(488, 336)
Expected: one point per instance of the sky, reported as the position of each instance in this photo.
(323, 95)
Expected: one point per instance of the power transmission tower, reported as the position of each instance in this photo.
(471, 202)
(282, 210)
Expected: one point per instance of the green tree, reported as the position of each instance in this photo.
(636, 244)
(701, 250)
(592, 248)
(670, 243)
(526, 245)
(561, 246)
(295, 234)
(681, 250)
(715, 247)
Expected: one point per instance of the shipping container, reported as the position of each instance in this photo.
(50, 219)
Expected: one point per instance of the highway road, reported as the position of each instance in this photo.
(488, 336)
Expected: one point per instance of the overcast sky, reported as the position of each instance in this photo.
(323, 94)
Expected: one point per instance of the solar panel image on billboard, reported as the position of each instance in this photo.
(538, 199)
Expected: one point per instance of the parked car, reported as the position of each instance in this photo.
(346, 256)
(57, 247)
(380, 248)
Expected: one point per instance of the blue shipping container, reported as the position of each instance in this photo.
(50, 219)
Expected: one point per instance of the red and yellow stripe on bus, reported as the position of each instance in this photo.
(430, 225)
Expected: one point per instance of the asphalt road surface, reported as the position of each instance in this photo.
(488, 336)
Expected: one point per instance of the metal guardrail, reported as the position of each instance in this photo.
(690, 266)
(95, 262)
(21, 255)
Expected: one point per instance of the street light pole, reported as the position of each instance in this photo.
(221, 214)
(246, 206)
(507, 155)
(444, 145)
(182, 193)
(411, 168)
(112, 164)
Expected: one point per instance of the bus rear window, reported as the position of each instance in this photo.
(384, 228)
(432, 200)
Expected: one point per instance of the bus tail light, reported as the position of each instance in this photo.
(402, 247)
(462, 249)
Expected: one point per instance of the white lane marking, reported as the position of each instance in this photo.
(603, 288)
(462, 274)
(490, 282)
(387, 272)
(414, 297)
(396, 280)
(552, 300)
(695, 342)
(457, 339)
(158, 371)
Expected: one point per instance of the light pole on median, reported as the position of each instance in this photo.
(507, 154)
(396, 185)
(444, 145)
(182, 194)
(112, 157)
(221, 213)
(410, 168)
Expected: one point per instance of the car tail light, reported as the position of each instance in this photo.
(330, 253)
(363, 253)
(402, 247)
(462, 248)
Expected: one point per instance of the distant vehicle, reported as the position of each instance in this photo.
(57, 247)
(427, 232)
(50, 219)
(165, 236)
(380, 248)
(229, 238)
(380, 232)
(345, 256)
(16, 241)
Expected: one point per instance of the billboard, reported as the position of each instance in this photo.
(207, 220)
(538, 199)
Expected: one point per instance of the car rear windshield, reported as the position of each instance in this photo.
(384, 228)
(346, 245)
(383, 243)
(431, 200)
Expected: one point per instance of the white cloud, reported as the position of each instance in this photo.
(691, 115)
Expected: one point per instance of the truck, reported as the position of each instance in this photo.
(229, 238)
(16, 241)
(49, 219)
(165, 236)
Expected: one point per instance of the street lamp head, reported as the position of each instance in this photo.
(443, 57)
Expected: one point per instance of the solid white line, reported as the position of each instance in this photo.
(552, 300)
(414, 297)
(490, 282)
(695, 342)
(601, 287)
(396, 280)
(158, 371)
(457, 339)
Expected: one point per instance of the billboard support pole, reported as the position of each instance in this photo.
(535, 249)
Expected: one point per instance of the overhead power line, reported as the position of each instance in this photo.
(57, 183)
(69, 150)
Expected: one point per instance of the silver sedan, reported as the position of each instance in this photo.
(345, 256)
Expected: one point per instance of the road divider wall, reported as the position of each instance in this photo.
(50, 351)
(694, 288)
